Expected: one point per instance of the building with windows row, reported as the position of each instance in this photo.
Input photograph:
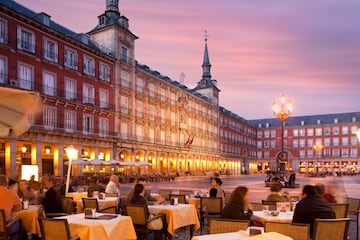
(99, 99)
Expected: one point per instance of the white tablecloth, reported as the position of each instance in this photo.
(243, 236)
(262, 216)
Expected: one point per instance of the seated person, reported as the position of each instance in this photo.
(113, 186)
(146, 194)
(95, 186)
(312, 206)
(321, 190)
(276, 196)
(216, 190)
(238, 206)
(51, 202)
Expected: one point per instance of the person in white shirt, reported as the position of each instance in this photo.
(113, 186)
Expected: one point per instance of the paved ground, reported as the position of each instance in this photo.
(348, 184)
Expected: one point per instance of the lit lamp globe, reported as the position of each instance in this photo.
(71, 153)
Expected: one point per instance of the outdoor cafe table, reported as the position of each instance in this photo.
(243, 235)
(29, 218)
(77, 195)
(262, 216)
(177, 216)
(119, 228)
(103, 203)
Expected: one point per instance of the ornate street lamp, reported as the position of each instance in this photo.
(317, 148)
(71, 153)
(282, 112)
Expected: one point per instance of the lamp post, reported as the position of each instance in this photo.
(70, 152)
(317, 148)
(282, 112)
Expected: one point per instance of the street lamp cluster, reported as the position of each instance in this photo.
(282, 111)
(317, 148)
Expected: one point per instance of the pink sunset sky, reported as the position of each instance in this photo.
(309, 50)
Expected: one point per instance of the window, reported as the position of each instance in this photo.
(152, 89)
(26, 76)
(50, 50)
(345, 152)
(302, 143)
(336, 141)
(89, 66)
(26, 40)
(335, 152)
(124, 126)
(318, 131)
(302, 153)
(152, 112)
(69, 121)
(345, 141)
(310, 132)
(345, 130)
(124, 104)
(139, 108)
(162, 137)
(310, 142)
(163, 115)
(327, 142)
(335, 130)
(70, 89)
(353, 152)
(103, 127)
(162, 94)
(49, 83)
(104, 72)
(273, 133)
(124, 54)
(88, 94)
(125, 79)
(3, 69)
(296, 132)
(354, 140)
(151, 135)
(3, 31)
(139, 132)
(295, 143)
(71, 58)
(49, 117)
(104, 98)
(266, 133)
(327, 131)
(88, 124)
(139, 85)
(302, 132)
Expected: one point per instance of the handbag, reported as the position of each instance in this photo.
(155, 223)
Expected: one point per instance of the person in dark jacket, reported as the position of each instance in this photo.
(312, 206)
(238, 206)
(51, 201)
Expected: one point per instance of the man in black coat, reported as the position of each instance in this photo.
(312, 206)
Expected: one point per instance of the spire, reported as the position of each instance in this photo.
(206, 62)
(112, 6)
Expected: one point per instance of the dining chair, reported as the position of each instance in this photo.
(186, 192)
(271, 204)
(165, 193)
(256, 206)
(139, 217)
(340, 209)
(5, 234)
(227, 196)
(181, 198)
(297, 231)
(210, 207)
(331, 229)
(55, 229)
(111, 195)
(93, 203)
(222, 225)
(68, 205)
(353, 212)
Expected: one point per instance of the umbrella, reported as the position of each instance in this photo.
(141, 163)
(76, 162)
(95, 162)
(126, 163)
(112, 162)
(16, 106)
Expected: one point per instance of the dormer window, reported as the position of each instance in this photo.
(318, 122)
(302, 123)
(336, 120)
(102, 20)
(267, 125)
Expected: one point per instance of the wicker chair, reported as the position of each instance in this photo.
(296, 231)
(271, 204)
(54, 229)
(181, 198)
(353, 212)
(93, 203)
(186, 192)
(257, 206)
(210, 207)
(331, 229)
(221, 225)
(340, 209)
(165, 193)
(5, 226)
(139, 217)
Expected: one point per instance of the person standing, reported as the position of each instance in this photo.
(113, 186)
(311, 206)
